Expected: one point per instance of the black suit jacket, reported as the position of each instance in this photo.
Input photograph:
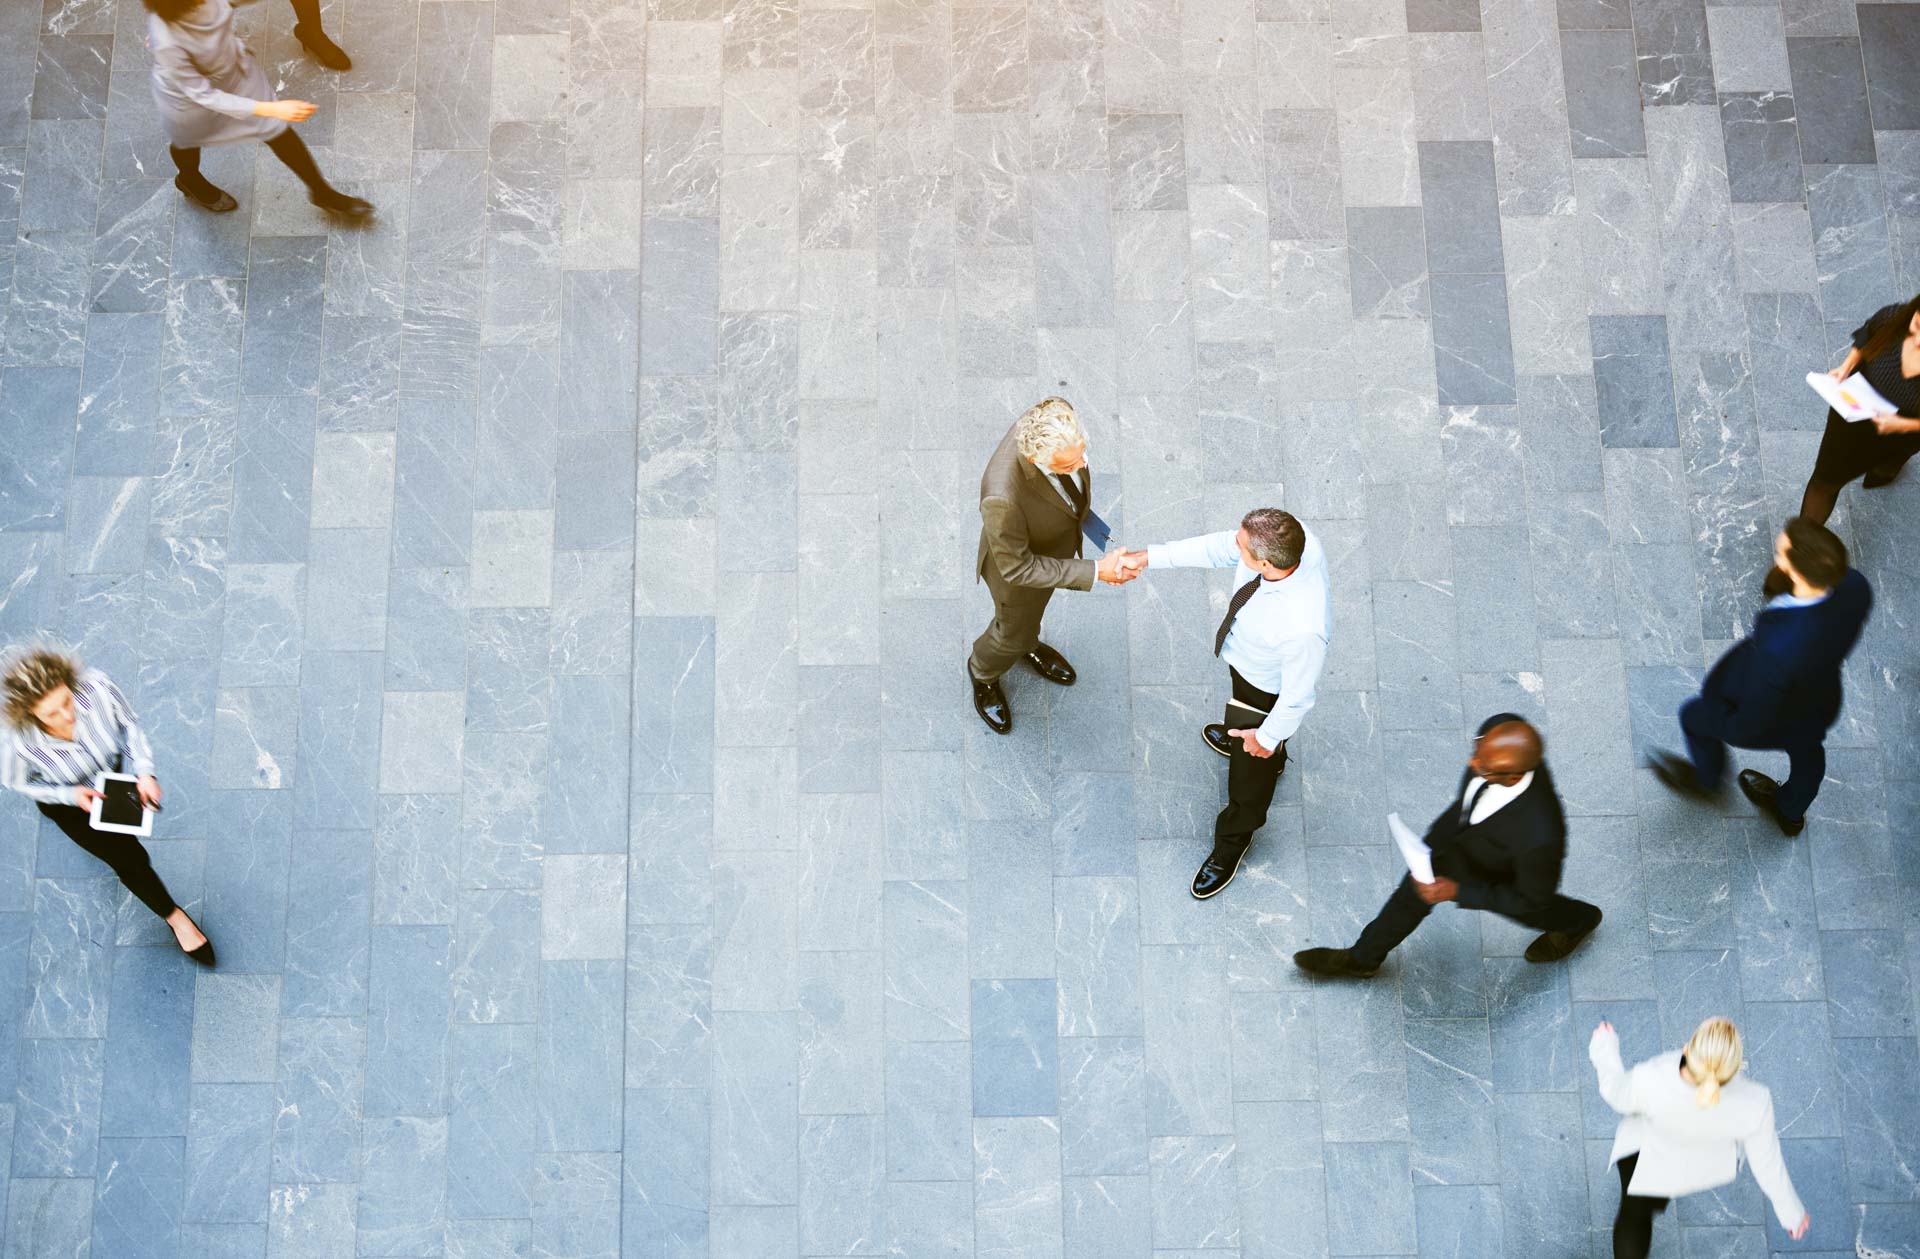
(1782, 682)
(1510, 862)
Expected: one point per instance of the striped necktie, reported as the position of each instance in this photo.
(1234, 605)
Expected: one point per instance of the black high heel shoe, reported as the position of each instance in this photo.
(203, 954)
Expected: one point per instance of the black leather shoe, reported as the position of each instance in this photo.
(1215, 736)
(1764, 792)
(206, 195)
(333, 201)
(324, 50)
(1678, 776)
(1051, 665)
(1216, 872)
(1878, 477)
(1333, 963)
(990, 701)
(1554, 945)
(203, 954)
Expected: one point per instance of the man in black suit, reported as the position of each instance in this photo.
(1497, 847)
(1779, 687)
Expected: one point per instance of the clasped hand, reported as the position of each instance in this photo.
(1121, 567)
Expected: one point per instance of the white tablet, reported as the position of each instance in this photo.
(117, 808)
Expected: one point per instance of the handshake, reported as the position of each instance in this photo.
(1121, 567)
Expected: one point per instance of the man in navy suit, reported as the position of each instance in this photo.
(1778, 688)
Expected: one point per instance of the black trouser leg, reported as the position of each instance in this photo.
(123, 853)
(1396, 920)
(293, 151)
(1563, 914)
(1633, 1222)
(186, 161)
(307, 13)
(1251, 780)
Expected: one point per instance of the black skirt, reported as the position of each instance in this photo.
(1850, 449)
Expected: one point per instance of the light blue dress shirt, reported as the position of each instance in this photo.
(1279, 640)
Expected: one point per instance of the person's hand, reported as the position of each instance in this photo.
(1253, 745)
(1120, 567)
(1839, 374)
(84, 796)
(1890, 422)
(285, 111)
(1800, 1229)
(149, 791)
(1441, 889)
(1603, 1032)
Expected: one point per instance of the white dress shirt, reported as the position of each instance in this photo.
(1279, 640)
(1684, 1147)
(1494, 798)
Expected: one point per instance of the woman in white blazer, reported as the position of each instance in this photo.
(1690, 1118)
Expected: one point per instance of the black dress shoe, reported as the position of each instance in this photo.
(1334, 963)
(206, 195)
(203, 954)
(1051, 665)
(1216, 872)
(1216, 737)
(990, 701)
(333, 201)
(1678, 776)
(1554, 945)
(1878, 477)
(324, 50)
(1764, 792)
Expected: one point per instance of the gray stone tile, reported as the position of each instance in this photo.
(1603, 92)
(317, 1122)
(1633, 379)
(1830, 91)
(1762, 137)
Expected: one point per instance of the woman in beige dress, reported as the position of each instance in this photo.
(210, 90)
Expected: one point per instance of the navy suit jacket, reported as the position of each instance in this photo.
(1782, 682)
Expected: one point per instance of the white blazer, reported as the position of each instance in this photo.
(1684, 1147)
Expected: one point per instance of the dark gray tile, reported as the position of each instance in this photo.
(1461, 205)
(1762, 134)
(1675, 66)
(1472, 348)
(1633, 379)
(1889, 37)
(1603, 93)
(1830, 90)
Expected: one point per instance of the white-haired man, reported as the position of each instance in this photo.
(1034, 498)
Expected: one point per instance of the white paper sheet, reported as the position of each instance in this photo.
(1853, 397)
(1413, 849)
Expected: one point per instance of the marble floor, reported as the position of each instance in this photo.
(548, 606)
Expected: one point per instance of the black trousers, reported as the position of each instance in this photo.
(287, 146)
(1701, 723)
(1405, 910)
(124, 853)
(307, 13)
(1250, 779)
(1633, 1222)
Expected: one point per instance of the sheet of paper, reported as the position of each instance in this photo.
(1413, 849)
(1853, 397)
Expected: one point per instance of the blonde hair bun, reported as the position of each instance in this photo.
(1713, 1057)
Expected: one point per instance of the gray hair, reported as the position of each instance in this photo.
(1048, 425)
(1274, 536)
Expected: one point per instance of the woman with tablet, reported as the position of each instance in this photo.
(1886, 351)
(70, 728)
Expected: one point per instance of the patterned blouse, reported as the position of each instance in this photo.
(105, 736)
(1883, 372)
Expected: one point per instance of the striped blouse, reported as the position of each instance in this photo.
(105, 736)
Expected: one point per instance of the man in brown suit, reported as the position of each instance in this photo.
(1034, 497)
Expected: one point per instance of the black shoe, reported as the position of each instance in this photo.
(1051, 665)
(1333, 963)
(324, 50)
(1764, 792)
(333, 201)
(1555, 945)
(990, 701)
(1216, 872)
(203, 954)
(1879, 477)
(1215, 736)
(206, 195)
(1678, 776)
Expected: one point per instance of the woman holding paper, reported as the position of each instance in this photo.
(1886, 353)
(1690, 1118)
(68, 725)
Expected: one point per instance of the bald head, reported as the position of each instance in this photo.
(1507, 751)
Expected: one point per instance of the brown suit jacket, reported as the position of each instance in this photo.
(1028, 533)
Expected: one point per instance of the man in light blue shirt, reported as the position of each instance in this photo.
(1274, 641)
